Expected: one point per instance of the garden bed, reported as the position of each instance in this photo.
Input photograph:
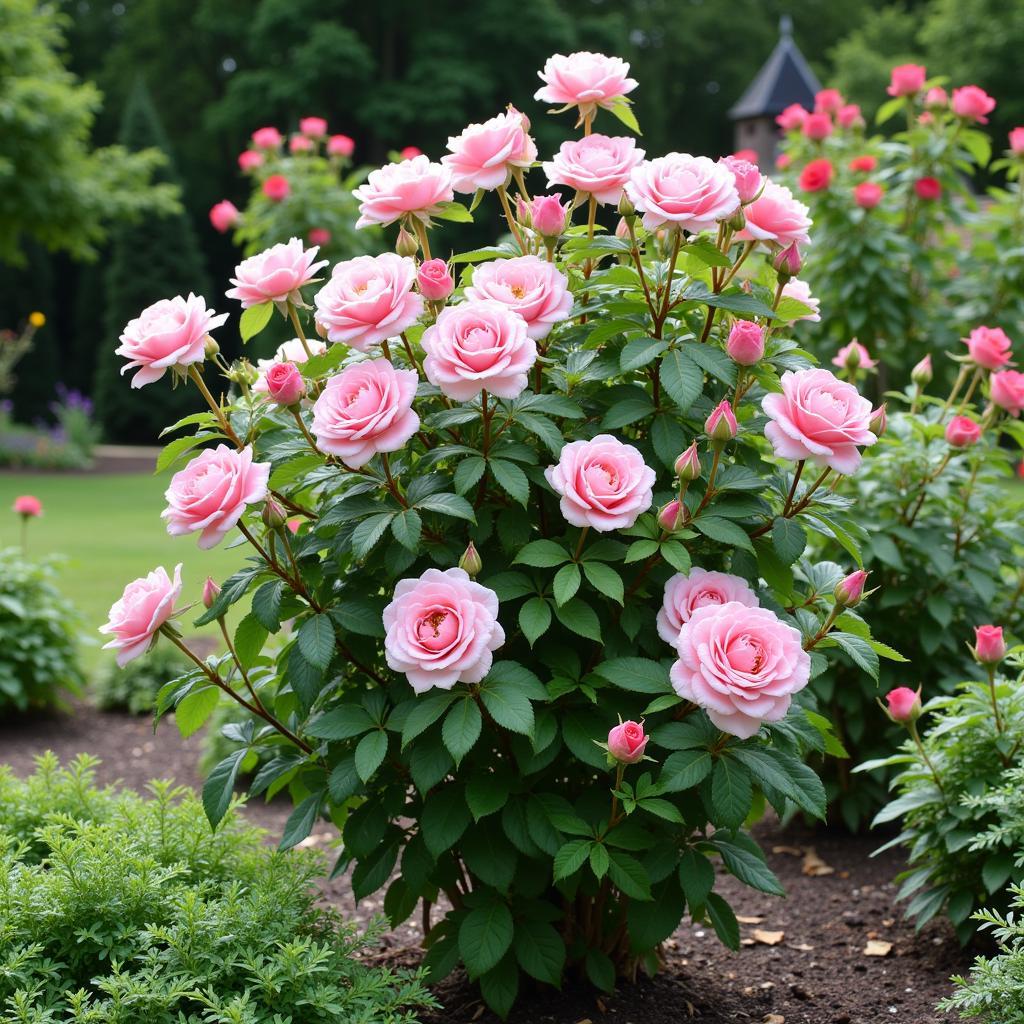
(816, 972)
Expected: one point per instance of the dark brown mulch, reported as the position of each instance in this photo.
(816, 973)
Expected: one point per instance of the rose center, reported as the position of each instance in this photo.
(747, 655)
(437, 630)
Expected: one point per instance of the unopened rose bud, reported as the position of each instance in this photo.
(626, 742)
(285, 383)
(224, 216)
(989, 646)
(921, 374)
(273, 515)
(962, 432)
(471, 561)
(745, 344)
(243, 372)
(904, 705)
(407, 244)
(721, 426)
(210, 592)
(548, 216)
(523, 212)
(435, 280)
(687, 466)
(787, 262)
(879, 421)
(738, 221)
(850, 590)
(626, 207)
(670, 518)
(210, 347)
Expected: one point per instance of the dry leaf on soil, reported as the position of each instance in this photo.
(876, 947)
(813, 865)
(767, 937)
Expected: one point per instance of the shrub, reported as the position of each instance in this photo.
(134, 689)
(38, 652)
(115, 909)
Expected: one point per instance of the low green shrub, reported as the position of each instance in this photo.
(135, 687)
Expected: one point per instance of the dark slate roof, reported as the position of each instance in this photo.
(785, 78)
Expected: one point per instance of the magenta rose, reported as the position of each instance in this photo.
(416, 187)
(484, 155)
(741, 664)
(603, 483)
(1016, 140)
(368, 300)
(277, 188)
(692, 192)
(989, 347)
(817, 126)
(300, 144)
(868, 194)
(27, 505)
(776, 216)
(212, 493)
(535, 289)
(1007, 390)
(480, 345)
(596, 164)
(267, 138)
(249, 160)
(746, 175)
(585, 80)
(972, 103)
(818, 417)
(626, 742)
(442, 629)
(285, 383)
(849, 116)
(224, 216)
(989, 645)
(828, 101)
(146, 604)
(315, 127)
(171, 332)
(907, 79)
(435, 280)
(276, 274)
(686, 592)
(904, 704)
(365, 409)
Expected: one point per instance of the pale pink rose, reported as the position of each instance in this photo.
(906, 80)
(801, 292)
(416, 187)
(868, 194)
(368, 299)
(972, 103)
(267, 138)
(212, 493)
(818, 417)
(223, 215)
(442, 629)
(746, 175)
(27, 505)
(745, 344)
(792, 118)
(314, 127)
(828, 101)
(365, 409)
(989, 645)
(817, 126)
(277, 188)
(276, 274)
(936, 97)
(146, 604)
(777, 216)
(904, 704)
(597, 164)
(686, 592)
(854, 356)
(691, 192)
(1007, 390)
(741, 664)
(287, 352)
(962, 432)
(849, 116)
(285, 384)
(548, 216)
(626, 742)
(484, 155)
(586, 80)
(1017, 141)
(435, 280)
(480, 345)
(319, 236)
(537, 290)
(250, 159)
(171, 332)
(300, 144)
(989, 347)
(340, 145)
(603, 483)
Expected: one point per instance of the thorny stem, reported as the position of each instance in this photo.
(241, 667)
(799, 506)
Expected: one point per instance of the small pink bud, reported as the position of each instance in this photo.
(787, 262)
(249, 160)
(340, 145)
(850, 589)
(1017, 141)
(285, 383)
(687, 466)
(879, 421)
(921, 374)
(625, 207)
(267, 138)
(849, 116)
(319, 236)
(409, 152)
(28, 506)
(470, 561)
(223, 215)
(721, 424)
(435, 280)
(670, 518)
(273, 515)
(210, 592)
(300, 144)
(904, 705)
(626, 742)
(314, 127)
(962, 432)
(936, 98)
(989, 645)
(276, 188)
(548, 216)
(746, 343)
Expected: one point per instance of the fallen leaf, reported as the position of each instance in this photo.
(746, 942)
(773, 1018)
(813, 865)
(876, 947)
(888, 922)
(768, 938)
(803, 947)
(793, 851)
(749, 919)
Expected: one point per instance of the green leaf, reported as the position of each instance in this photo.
(219, 786)
(731, 793)
(628, 875)
(571, 857)
(640, 352)
(600, 970)
(301, 821)
(697, 877)
(540, 951)
(859, 650)
(599, 860)
(341, 723)
(723, 531)
(889, 108)
(254, 319)
(370, 752)
(266, 605)
(622, 109)
(684, 769)
(461, 728)
(316, 640)
(579, 617)
(776, 769)
(511, 479)
(485, 936)
(178, 447)
(250, 636)
(676, 555)
(468, 472)
(789, 539)
(661, 809)
(508, 707)
(727, 928)
(637, 675)
(681, 378)
(444, 819)
(343, 781)
(425, 712)
(605, 579)
(407, 527)
(500, 986)
(448, 505)
(534, 618)
(489, 855)
(746, 862)
(368, 532)
(193, 710)
(566, 583)
(542, 554)
(486, 792)
(363, 616)
(453, 212)
(627, 411)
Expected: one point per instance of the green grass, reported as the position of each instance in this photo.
(110, 531)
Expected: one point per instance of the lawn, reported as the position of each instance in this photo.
(110, 531)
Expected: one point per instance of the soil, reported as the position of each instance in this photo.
(803, 960)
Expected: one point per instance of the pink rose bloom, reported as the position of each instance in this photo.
(692, 192)
(223, 215)
(340, 145)
(904, 704)
(300, 144)
(435, 280)
(368, 299)
(1017, 141)
(171, 332)
(146, 604)
(868, 194)
(626, 742)
(820, 418)
(1007, 390)
(748, 155)
(365, 409)
(849, 116)
(745, 344)
(277, 188)
(319, 236)
(597, 164)
(537, 290)
(287, 352)
(817, 126)
(275, 275)
(817, 175)
(484, 154)
(548, 216)
(828, 101)
(936, 97)
(480, 345)
(989, 645)
(442, 629)
(792, 118)
(854, 356)
(285, 383)
(267, 138)
(586, 80)
(801, 292)
(212, 493)
(962, 432)
(928, 189)
(863, 164)
(314, 127)
(741, 664)
(746, 176)
(249, 160)
(777, 216)
(416, 187)
(988, 347)
(686, 592)
(603, 483)
(28, 505)
(972, 104)
(907, 79)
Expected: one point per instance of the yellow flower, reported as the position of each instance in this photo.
(36, 319)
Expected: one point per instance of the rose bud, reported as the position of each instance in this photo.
(210, 592)
(921, 374)
(470, 561)
(435, 280)
(962, 432)
(721, 424)
(904, 705)
(28, 506)
(687, 466)
(223, 215)
(285, 383)
(273, 515)
(276, 188)
(340, 145)
(849, 591)
(406, 243)
(548, 216)
(319, 236)
(626, 207)
(746, 343)
(787, 262)
(879, 421)
(989, 646)
(626, 742)
(670, 518)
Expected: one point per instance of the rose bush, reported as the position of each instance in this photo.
(526, 613)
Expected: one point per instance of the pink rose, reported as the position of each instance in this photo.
(300, 144)
(275, 275)
(928, 189)
(972, 104)
(828, 101)
(586, 80)
(368, 299)
(745, 344)
(171, 332)
(314, 127)
(267, 138)
(989, 645)
(597, 164)
(146, 604)
(285, 383)
(745, 175)
(416, 187)
(476, 346)
(904, 704)
(276, 188)
(691, 192)
(319, 236)
(548, 216)
(223, 215)
(962, 432)
(27, 505)
(366, 409)
(863, 164)
(817, 126)
(849, 116)
(287, 352)
(340, 145)
(484, 155)
(626, 742)
(408, 152)
(782, 161)
(868, 194)
(817, 175)
(441, 629)
(249, 160)
(854, 356)
(988, 347)
(211, 591)
(906, 80)
(603, 483)
(818, 417)
(747, 155)
(537, 290)
(212, 493)
(435, 280)
(936, 97)
(792, 118)
(686, 592)
(800, 291)
(776, 216)
(1017, 141)
(1007, 390)
(741, 664)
